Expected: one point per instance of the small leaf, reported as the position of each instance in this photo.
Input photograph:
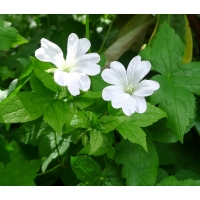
(22, 107)
(54, 114)
(133, 133)
(139, 167)
(9, 36)
(86, 169)
(96, 140)
(48, 80)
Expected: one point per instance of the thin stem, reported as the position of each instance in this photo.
(107, 33)
(87, 28)
(49, 170)
(57, 145)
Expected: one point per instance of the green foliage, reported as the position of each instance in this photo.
(50, 137)
(139, 167)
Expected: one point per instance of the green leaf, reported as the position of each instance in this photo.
(22, 107)
(112, 177)
(139, 167)
(110, 123)
(48, 149)
(151, 115)
(83, 102)
(188, 76)
(6, 73)
(55, 114)
(133, 133)
(9, 36)
(40, 71)
(86, 169)
(39, 88)
(181, 26)
(166, 52)
(5, 149)
(177, 102)
(21, 173)
(29, 132)
(172, 181)
(97, 83)
(96, 140)
(182, 174)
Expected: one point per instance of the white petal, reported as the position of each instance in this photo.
(137, 69)
(49, 52)
(140, 105)
(116, 95)
(129, 106)
(61, 78)
(76, 48)
(146, 88)
(87, 64)
(77, 82)
(116, 75)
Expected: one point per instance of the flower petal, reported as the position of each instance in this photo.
(87, 64)
(116, 95)
(61, 78)
(129, 106)
(76, 48)
(77, 82)
(146, 88)
(140, 105)
(137, 69)
(49, 52)
(116, 75)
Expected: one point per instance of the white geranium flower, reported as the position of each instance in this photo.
(73, 71)
(126, 91)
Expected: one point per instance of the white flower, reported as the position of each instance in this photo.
(126, 91)
(73, 71)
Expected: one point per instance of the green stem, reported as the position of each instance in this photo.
(88, 28)
(49, 170)
(107, 33)
(57, 145)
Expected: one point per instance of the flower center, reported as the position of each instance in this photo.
(65, 67)
(129, 89)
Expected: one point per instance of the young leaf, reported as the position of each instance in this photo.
(133, 133)
(177, 102)
(21, 173)
(9, 36)
(86, 169)
(96, 140)
(139, 167)
(40, 71)
(147, 118)
(55, 114)
(110, 123)
(22, 107)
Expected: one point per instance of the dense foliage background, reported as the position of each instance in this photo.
(159, 147)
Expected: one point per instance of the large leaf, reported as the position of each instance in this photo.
(86, 169)
(177, 102)
(21, 173)
(181, 26)
(139, 167)
(22, 107)
(9, 36)
(188, 76)
(96, 140)
(133, 133)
